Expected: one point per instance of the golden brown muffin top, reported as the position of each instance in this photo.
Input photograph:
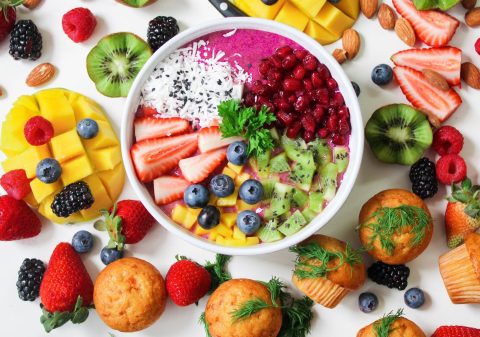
(401, 327)
(230, 296)
(344, 265)
(386, 229)
(472, 242)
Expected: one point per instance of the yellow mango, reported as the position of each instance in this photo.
(309, 7)
(235, 242)
(241, 178)
(30, 200)
(28, 102)
(320, 34)
(231, 200)
(67, 146)
(220, 240)
(229, 172)
(334, 20)
(229, 219)
(258, 8)
(238, 234)
(235, 168)
(27, 160)
(76, 169)
(113, 181)
(40, 190)
(201, 231)
(223, 230)
(242, 206)
(12, 143)
(55, 107)
(105, 159)
(185, 216)
(349, 7)
(102, 200)
(253, 240)
(292, 16)
(45, 210)
(105, 138)
(86, 108)
(213, 235)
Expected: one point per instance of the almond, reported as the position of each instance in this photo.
(368, 7)
(41, 74)
(469, 4)
(351, 42)
(340, 55)
(386, 17)
(435, 79)
(405, 32)
(471, 75)
(472, 17)
(31, 4)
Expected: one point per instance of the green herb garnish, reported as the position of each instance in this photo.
(202, 320)
(248, 123)
(390, 220)
(217, 271)
(382, 327)
(312, 260)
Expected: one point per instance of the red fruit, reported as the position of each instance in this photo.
(302, 103)
(294, 130)
(289, 61)
(332, 84)
(458, 224)
(38, 131)
(307, 84)
(283, 51)
(310, 62)
(338, 139)
(8, 16)
(198, 168)
(337, 100)
(447, 140)
(317, 80)
(292, 84)
(332, 123)
(300, 54)
(168, 189)
(436, 103)
(187, 282)
(17, 220)
(318, 113)
(323, 133)
(146, 111)
(155, 157)
(308, 136)
(285, 118)
(276, 61)
(432, 27)
(151, 127)
(79, 24)
(299, 72)
(16, 184)
(450, 169)
(444, 60)
(456, 331)
(130, 219)
(477, 46)
(309, 124)
(264, 67)
(65, 280)
(323, 71)
(211, 139)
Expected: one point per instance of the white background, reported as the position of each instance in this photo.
(21, 319)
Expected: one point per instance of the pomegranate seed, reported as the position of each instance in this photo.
(308, 136)
(310, 62)
(343, 126)
(294, 129)
(285, 117)
(273, 84)
(300, 54)
(338, 139)
(344, 112)
(249, 99)
(282, 104)
(292, 99)
(337, 100)
(274, 74)
(308, 123)
(263, 100)
(289, 62)
(270, 106)
(282, 52)
(323, 133)
(318, 113)
(299, 72)
(307, 84)
(317, 80)
(264, 67)
(332, 84)
(321, 95)
(302, 103)
(292, 84)
(323, 71)
(276, 61)
(332, 123)
(259, 88)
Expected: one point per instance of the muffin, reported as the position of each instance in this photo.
(344, 270)
(129, 295)
(395, 226)
(460, 269)
(229, 297)
(392, 325)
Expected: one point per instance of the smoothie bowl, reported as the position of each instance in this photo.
(242, 136)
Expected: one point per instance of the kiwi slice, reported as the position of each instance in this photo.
(115, 61)
(398, 134)
(136, 3)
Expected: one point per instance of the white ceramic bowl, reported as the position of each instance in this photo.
(356, 140)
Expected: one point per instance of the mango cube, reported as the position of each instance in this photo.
(223, 230)
(229, 172)
(320, 34)
(86, 108)
(241, 178)
(349, 7)
(238, 234)
(113, 181)
(76, 169)
(334, 20)
(258, 8)
(309, 7)
(40, 190)
(201, 231)
(102, 200)
(235, 168)
(235, 242)
(105, 138)
(243, 206)
(220, 240)
(213, 235)
(30, 200)
(185, 216)
(28, 102)
(55, 107)
(105, 159)
(27, 160)
(229, 219)
(292, 16)
(12, 143)
(45, 210)
(66, 146)
(253, 240)
(231, 200)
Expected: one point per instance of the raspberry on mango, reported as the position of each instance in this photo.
(95, 161)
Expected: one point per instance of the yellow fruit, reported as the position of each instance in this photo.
(84, 107)
(235, 168)
(185, 216)
(333, 19)
(229, 219)
(349, 7)
(45, 210)
(40, 190)
(102, 199)
(229, 172)
(231, 200)
(242, 206)
(258, 8)
(28, 102)
(201, 231)
(105, 159)
(55, 107)
(113, 181)
(238, 234)
(223, 231)
(309, 7)
(105, 138)
(292, 16)
(63, 152)
(253, 240)
(320, 34)
(75, 170)
(241, 178)
(27, 160)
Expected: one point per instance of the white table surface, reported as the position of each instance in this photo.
(21, 319)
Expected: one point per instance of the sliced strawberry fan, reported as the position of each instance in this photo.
(168, 189)
(211, 139)
(150, 127)
(198, 168)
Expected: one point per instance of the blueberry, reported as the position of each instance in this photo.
(87, 128)
(414, 298)
(109, 255)
(367, 302)
(248, 222)
(209, 217)
(251, 191)
(382, 74)
(356, 87)
(48, 170)
(196, 196)
(82, 242)
(237, 153)
(269, 2)
(222, 185)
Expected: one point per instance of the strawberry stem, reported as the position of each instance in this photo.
(56, 319)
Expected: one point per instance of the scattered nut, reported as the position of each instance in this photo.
(31, 4)
(435, 79)
(472, 17)
(405, 32)
(369, 7)
(469, 4)
(340, 55)
(351, 43)
(470, 75)
(41, 74)
(387, 17)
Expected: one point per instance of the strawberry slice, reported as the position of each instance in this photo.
(432, 27)
(168, 189)
(151, 127)
(198, 168)
(436, 103)
(211, 139)
(456, 331)
(444, 60)
(155, 157)
(145, 111)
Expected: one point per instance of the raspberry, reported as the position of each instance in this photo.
(38, 131)
(447, 140)
(451, 168)
(477, 46)
(16, 184)
(79, 24)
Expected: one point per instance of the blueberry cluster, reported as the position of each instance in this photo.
(423, 178)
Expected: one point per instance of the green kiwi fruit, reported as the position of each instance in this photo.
(115, 61)
(398, 134)
(136, 3)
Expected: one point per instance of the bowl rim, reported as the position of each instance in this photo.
(356, 144)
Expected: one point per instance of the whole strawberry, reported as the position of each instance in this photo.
(187, 282)
(456, 331)
(8, 16)
(17, 220)
(462, 215)
(66, 288)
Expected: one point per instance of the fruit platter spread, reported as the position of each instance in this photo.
(241, 145)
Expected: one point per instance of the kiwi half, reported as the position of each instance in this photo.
(115, 61)
(136, 3)
(398, 134)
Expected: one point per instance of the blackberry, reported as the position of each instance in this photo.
(392, 276)
(29, 278)
(423, 178)
(25, 41)
(71, 199)
(160, 30)
(425, 189)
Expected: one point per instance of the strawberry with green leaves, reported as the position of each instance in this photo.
(8, 16)
(456, 331)
(462, 215)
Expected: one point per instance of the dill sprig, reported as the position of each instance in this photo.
(391, 220)
(313, 260)
(382, 327)
(218, 271)
(249, 308)
(202, 320)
